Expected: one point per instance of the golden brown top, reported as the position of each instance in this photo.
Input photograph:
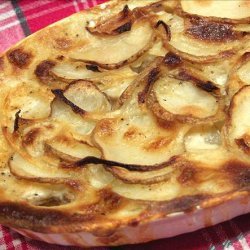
(124, 114)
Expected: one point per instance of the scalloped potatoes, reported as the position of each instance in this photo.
(124, 114)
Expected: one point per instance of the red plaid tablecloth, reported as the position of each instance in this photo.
(21, 18)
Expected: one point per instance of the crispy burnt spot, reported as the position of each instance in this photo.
(166, 28)
(109, 164)
(243, 143)
(187, 175)
(171, 60)
(16, 122)
(118, 24)
(239, 173)
(19, 58)
(42, 70)
(92, 67)
(31, 136)
(151, 78)
(123, 28)
(212, 31)
(59, 94)
(205, 85)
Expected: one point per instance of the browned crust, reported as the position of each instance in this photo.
(179, 11)
(172, 60)
(243, 145)
(42, 70)
(212, 31)
(151, 78)
(19, 58)
(166, 28)
(201, 59)
(93, 68)
(95, 218)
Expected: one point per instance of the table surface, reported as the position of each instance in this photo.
(21, 18)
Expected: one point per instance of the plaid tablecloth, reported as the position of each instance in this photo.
(21, 18)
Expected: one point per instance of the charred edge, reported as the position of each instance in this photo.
(185, 203)
(30, 217)
(16, 123)
(92, 67)
(131, 167)
(152, 77)
(19, 58)
(60, 58)
(166, 28)
(246, 56)
(42, 70)
(239, 172)
(59, 93)
(125, 11)
(172, 60)
(207, 86)
(242, 145)
(211, 31)
(124, 28)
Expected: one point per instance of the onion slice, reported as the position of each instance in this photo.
(84, 97)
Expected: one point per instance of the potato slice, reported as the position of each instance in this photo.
(171, 99)
(237, 9)
(70, 121)
(116, 51)
(201, 41)
(203, 138)
(140, 138)
(29, 102)
(238, 133)
(30, 169)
